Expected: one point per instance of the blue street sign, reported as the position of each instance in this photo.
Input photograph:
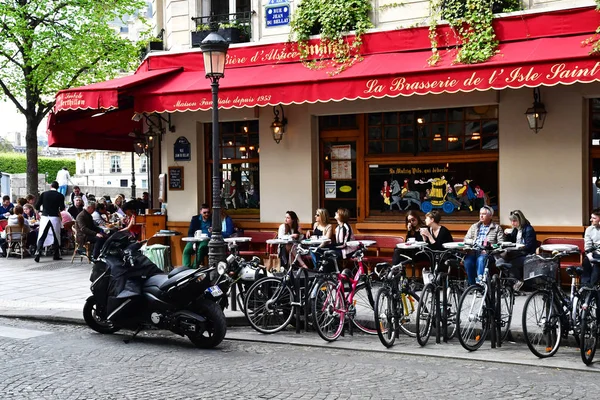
(182, 150)
(278, 15)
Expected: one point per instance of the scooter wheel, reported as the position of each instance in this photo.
(94, 321)
(215, 326)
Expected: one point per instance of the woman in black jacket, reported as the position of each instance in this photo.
(522, 233)
(435, 234)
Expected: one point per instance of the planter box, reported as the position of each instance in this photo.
(198, 37)
(155, 46)
(233, 35)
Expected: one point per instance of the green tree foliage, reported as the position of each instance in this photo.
(15, 163)
(49, 45)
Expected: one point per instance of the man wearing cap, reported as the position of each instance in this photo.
(482, 233)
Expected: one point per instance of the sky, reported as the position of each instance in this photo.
(14, 121)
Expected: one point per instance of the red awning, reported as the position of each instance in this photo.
(82, 130)
(530, 63)
(104, 95)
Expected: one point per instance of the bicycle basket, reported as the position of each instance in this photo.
(537, 268)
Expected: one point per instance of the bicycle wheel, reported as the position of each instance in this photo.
(542, 326)
(385, 317)
(364, 308)
(507, 301)
(472, 318)
(268, 305)
(453, 299)
(407, 310)
(589, 330)
(425, 314)
(328, 310)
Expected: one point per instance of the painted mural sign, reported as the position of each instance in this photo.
(450, 187)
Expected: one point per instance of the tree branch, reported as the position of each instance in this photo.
(9, 94)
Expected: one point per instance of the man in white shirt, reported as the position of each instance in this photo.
(63, 178)
(591, 261)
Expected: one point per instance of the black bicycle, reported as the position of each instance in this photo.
(272, 302)
(438, 304)
(550, 314)
(395, 304)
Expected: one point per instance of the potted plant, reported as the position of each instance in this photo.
(233, 32)
(155, 44)
(201, 32)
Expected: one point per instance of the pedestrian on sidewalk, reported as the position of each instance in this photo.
(63, 177)
(52, 203)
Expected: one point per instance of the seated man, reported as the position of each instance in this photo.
(590, 262)
(77, 207)
(6, 208)
(483, 233)
(201, 222)
(88, 231)
(77, 192)
(100, 216)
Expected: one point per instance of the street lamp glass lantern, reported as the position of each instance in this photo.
(536, 115)
(214, 49)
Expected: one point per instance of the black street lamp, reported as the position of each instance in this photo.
(214, 49)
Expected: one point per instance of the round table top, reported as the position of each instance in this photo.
(237, 239)
(279, 241)
(456, 245)
(195, 239)
(411, 245)
(366, 243)
(559, 247)
(165, 233)
(315, 241)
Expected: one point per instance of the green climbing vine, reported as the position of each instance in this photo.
(594, 40)
(333, 20)
(471, 22)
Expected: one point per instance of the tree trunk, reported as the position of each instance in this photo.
(32, 155)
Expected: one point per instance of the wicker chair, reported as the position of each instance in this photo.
(16, 239)
(87, 246)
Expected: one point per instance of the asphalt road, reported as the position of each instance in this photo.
(40, 360)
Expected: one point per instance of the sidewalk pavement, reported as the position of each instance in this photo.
(53, 290)
(56, 291)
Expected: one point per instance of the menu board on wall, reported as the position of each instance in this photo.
(175, 178)
(341, 152)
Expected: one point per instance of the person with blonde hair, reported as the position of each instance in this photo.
(321, 228)
(523, 233)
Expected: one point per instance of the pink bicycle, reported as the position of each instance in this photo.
(331, 305)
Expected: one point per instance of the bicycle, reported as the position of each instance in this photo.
(431, 308)
(395, 303)
(487, 305)
(271, 302)
(549, 314)
(331, 305)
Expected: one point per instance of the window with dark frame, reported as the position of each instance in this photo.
(430, 131)
(239, 152)
(115, 164)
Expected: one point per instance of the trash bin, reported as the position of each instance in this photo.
(160, 255)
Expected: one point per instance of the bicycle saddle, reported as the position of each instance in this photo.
(574, 271)
(453, 263)
(503, 265)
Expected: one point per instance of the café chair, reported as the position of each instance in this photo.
(16, 240)
(87, 247)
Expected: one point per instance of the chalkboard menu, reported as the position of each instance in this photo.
(175, 178)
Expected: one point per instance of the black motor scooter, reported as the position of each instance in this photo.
(130, 292)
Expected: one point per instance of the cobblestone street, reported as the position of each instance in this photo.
(54, 361)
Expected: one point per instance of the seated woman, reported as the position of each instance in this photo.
(435, 234)
(321, 228)
(413, 233)
(16, 220)
(343, 233)
(129, 221)
(289, 229)
(521, 232)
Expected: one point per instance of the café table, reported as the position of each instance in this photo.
(411, 245)
(559, 247)
(232, 243)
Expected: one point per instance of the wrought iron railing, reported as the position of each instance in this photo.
(235, 27)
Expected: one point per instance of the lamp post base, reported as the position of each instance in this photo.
(216, 250)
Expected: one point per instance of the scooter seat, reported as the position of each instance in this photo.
(156, 280)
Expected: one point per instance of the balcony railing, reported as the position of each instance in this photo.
(235, 28)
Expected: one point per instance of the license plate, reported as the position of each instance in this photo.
(215, 291)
